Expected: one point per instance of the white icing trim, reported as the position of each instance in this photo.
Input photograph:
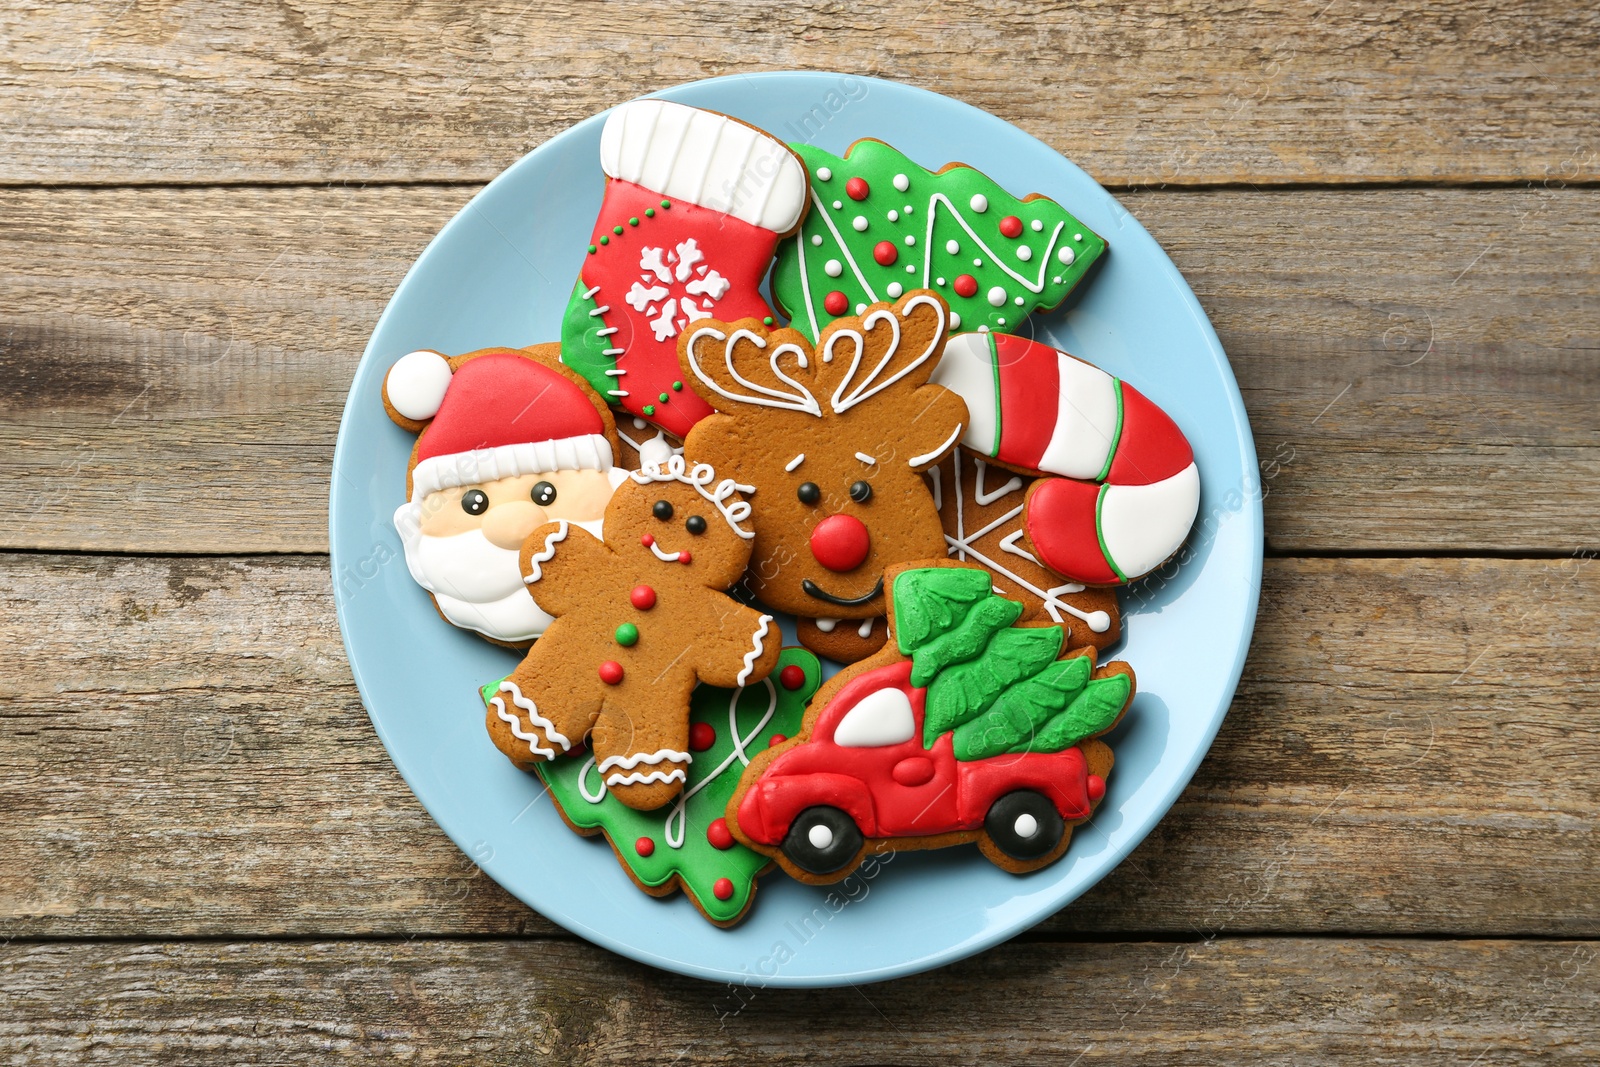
(863, 457)
(660, 755)
(799, 400)
(663, 555)
(870, 386)
(589, 452)
(676, 469)
(750, 657)
(416, 384)
(989, 253)
(522, 702)
(967, 368)
(635, 778)
(917, 461)
(983, 498)
(795, 462)
(679, 808)
(865, 629)
(546, 554)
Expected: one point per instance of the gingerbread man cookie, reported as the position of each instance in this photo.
(640, 619)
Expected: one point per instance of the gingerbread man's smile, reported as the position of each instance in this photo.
(649, 541)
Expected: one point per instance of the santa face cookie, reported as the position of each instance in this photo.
(509, 440)
(695, 203)
(881, 225)
(833, 439)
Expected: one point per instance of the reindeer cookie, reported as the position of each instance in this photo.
(639, 619)
(833, 440)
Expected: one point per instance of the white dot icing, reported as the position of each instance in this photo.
(1077, 237)
(901, 182)
(908, 209)
(1024, 253)
(955, 321)
(894, 289)
(1037, 225)
(997, 296)
(938, 281)
(837, 204)
(911, 268)
(824, 174)
(1019, 301)
(816, 240)
(979, 203)
(1066, 256)
(860, 308)
(952, 246)
(983, 328)
(859, 222)
(977, 263)
(910, 240)
(833, 268)
(894, 216)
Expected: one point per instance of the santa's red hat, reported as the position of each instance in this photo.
(499, 415)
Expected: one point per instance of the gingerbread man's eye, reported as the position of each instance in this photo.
(695, 525)
(809, 493)
(662, 510)
(544, 494)
(861, 492)
(474, 501)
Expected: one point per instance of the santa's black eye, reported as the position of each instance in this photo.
(808, 493)
(695, 525)
(861, 492)
(474, 501)
(544, 494)
(662, 510)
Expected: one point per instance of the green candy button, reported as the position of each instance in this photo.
(627, 635)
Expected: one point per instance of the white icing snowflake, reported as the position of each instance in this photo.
(676, 288)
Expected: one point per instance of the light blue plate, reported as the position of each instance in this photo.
(500, 273)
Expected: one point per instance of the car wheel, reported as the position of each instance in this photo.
(1024, 825)
(822, 840)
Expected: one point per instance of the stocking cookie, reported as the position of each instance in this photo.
(640, 619)
(881, 225)
(508, 440)
(694, 205)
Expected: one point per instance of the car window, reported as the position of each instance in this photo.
(881, 718)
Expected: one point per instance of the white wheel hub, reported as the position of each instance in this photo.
(1026, 825)
(819, 836)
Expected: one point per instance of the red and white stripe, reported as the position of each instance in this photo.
(1135, 489)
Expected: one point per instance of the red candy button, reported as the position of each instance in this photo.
(643, 597)
(1011, 226)
(776, 739)
(723, 889)
(1097, 787)
(647, 539)
(885, 253)
(966, 285)
(792, 677)
(684, 557)
(857, 188)
(702, 735)
(644, 846)
(836, 303)
(611, 672)
(840, 542)
(717, 833)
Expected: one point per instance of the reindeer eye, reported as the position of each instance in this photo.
(861, 492)
(809, 493)
(543, 494)
(474, 502)
(662, 510)
(695, 525)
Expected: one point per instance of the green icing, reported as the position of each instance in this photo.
(963, 690)
(1093, 711)
(713, 776)
(987, 618)
(800, 279)
(931, 601)
(1022, 709)
(582, 347)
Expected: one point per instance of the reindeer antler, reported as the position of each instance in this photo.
(715, 356)
(851, 391)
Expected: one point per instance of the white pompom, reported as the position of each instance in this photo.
(416, 384)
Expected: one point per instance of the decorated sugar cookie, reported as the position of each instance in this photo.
(833, 439)
(695, 203)
(640, 619)
(686, 844)
(509, 439)
(880, 225)
(963, 728)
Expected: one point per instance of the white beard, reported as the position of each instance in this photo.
(477, 584)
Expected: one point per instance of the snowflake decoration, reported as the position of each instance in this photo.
(678, 287)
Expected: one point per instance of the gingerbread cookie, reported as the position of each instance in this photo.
(833, 438)
(639, 619)
(695, 203)
(964, 728)
(507, 440)
(881, 225)
(982, 509)
(1129, 490)
(686, 844)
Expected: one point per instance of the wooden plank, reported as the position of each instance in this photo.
(1149, 93)
(1309, 1002)
(175, 361)
(1402, 757)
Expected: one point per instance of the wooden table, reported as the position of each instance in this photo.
(1390, 213)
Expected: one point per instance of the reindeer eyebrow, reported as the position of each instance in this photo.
(863, 457)
(795, 462)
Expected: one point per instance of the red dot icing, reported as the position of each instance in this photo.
(644, 846)
(857, 188)
(836, 303)
(723, 889)
(776, 739)
(684, 556)
(966, 285)
(1011, 226)
(647, 539)
(719, 836)
(611, 672)
(642, 597)
(885, 253)
(792, 677)
(1097, 787)
(702, 735)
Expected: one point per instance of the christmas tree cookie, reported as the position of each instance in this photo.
(881, 225)
(686, 845)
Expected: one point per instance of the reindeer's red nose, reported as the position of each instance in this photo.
(840, 542)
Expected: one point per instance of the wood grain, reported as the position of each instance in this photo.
(1309, 1002)
(1420, 366)
(182, 753)
(107, 91)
